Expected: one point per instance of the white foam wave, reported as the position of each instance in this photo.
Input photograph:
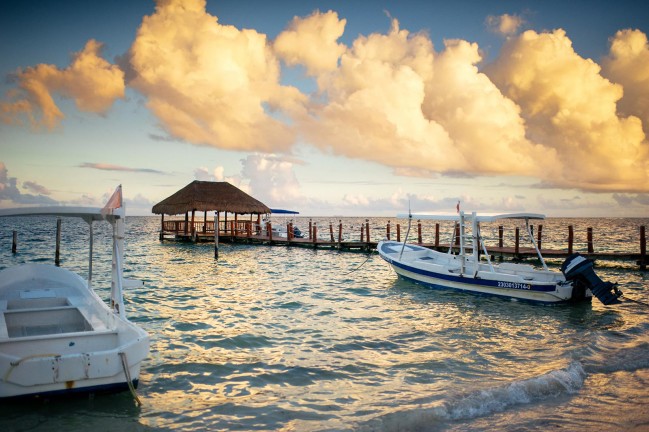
(487, 401)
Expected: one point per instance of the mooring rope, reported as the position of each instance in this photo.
(127, 373)
(635, 301)
(352, 271)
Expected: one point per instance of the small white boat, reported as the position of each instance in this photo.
(57, 337)
(280, 230)
(468, 267)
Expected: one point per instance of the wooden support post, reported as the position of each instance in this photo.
(216, 235)
(539, 238)
(162, 227)
(436, 235)
(387, 230)
(419, 232)
(398, 232)
(186, 222)
(315, 233)
(643, 248)
(193, 228)
(591, 248)
(57, 255)
(501, 232)
(258, 230)
(14, 243)
(269, 229)
(331, 231)
(456, 233)
(204, 222)
(571, 238)
(289, 231)
(340, 231)
(362, 232)
(310, 230)
(518, 238)
(367, 229)
(249, 229)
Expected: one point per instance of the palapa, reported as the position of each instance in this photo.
(210, 196)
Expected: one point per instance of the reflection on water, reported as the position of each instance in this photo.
(272, 338)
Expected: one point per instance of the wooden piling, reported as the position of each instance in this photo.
(571, 238)
(14, 243)
(331, 231)
(437, 235)
(398, 232)
(362, 233)
(643, 248)
(216, 235)
(501, 233)
(367, 229)
(315, 233)
(538, 239)
(591, 249)
(57, 255)
(419, 232)
(340, 231)
(387, 230)
(310, 230)
(517, 245)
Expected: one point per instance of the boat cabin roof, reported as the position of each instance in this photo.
(89, 214)
(484, 217)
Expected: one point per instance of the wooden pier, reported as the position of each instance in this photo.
(249, 231)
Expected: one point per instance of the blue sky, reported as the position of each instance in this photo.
(329, 108)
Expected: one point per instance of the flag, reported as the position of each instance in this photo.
(458, 206)
(114, 202)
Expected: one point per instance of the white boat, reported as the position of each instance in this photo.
(468, 266)
(280, 230)
(57, 336)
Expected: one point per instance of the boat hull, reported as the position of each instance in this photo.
(506, 285)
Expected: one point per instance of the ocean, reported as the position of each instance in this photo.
(272, 338)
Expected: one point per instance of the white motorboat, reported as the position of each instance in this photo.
(280, 230)
(468, 266)
(57, 336)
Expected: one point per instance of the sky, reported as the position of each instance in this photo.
(329, 108)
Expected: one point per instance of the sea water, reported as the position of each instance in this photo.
(279, 338)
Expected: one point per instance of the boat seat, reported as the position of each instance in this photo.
(4, 334)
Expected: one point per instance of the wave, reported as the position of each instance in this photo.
(562, 382)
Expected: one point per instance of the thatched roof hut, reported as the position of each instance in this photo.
(210, 196)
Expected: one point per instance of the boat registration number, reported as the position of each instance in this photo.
(514, 285)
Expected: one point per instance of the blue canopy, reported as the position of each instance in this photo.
(281, 211)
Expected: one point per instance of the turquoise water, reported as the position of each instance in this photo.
(277, 338)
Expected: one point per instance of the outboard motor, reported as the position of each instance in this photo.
(579, 271)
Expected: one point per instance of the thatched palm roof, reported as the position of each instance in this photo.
(210, 196)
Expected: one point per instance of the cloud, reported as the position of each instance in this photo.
(90, 81)
(311, 42)
(272, 179)
(504, 24)
(628, 64)
(110, 167)
(36, 188)
(570, 109)
(9, 191)
(210, 84)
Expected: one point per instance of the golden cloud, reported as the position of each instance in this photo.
(92, 82)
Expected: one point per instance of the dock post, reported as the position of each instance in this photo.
(14, 244)
(269, 228)
(310, 230)
(538, 239)
(315, 233)
(362, 232)
(367, 229)
(517, 246)
(419, 231)
(289, 231)
(591, 249)
(162, 227)
(340, 231)
(501, 232)
(387, 230)
(398, 232)
(571, 237)
(643, 248)
(57, 255)
(436, 235)
(216, 235)
(331, 231)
